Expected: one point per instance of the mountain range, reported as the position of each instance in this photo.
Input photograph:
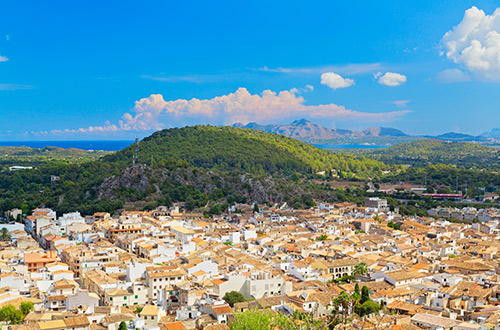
(306, 130)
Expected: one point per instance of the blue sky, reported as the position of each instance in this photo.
(120, 69)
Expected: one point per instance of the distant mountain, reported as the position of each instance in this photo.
(456, 136)
(494, 134)
(305, 129)
(383, 131)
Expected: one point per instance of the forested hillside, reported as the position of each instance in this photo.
(231, 148)
(424, 152)
(25, 156)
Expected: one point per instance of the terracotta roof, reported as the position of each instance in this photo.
(175, 325)
(222, 309)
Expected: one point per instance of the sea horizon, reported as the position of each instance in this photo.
(107, 145)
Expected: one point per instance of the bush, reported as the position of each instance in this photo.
(367, 308)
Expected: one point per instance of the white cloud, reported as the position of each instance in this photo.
(106, 128)
(307, 88)
(3, 58)
(347, 69)
(401, 103)
(390, 78)
(475, 43)
(335, 81)
(153, 112)
(452, 75)
(14, 87)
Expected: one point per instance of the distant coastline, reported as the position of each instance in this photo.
(349, 146)
(108, 145)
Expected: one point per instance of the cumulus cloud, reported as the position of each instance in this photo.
(390, 79)
(475, 43)
(3, 58)
(335, 81)
(153, 112)
(452, 75)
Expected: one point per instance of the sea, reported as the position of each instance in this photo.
(349, 146)
(108, 145)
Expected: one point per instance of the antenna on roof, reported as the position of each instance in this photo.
(135, 160)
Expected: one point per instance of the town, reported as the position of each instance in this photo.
(170, 269)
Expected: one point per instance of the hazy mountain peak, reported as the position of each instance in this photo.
(305, 129)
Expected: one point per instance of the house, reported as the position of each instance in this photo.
(220, 312)
(151, 315)
(401, 278)
(37, 261)
(82, 298)
(160, 277)
(341, 267)
(433, 322)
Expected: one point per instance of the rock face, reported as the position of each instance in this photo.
(153, 182)
(305, 129)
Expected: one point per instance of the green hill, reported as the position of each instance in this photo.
(231, 148)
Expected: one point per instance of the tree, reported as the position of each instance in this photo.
(233, 297)
(393, 225)
(4, 234)
(322, 237)
(357, 292)
(256, 208)
(6, 312)
(360, 269)
(356, 295)
(365, 294)
(368, 307)
(253, 319)
(11, 314)
(26, 307)
(190, 203)
(342, 305)
(122, 326)
(265, 319)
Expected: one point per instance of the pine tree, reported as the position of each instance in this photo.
(365, 294)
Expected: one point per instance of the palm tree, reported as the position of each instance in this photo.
(4, 235)
(343, 305)
(360, 269)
